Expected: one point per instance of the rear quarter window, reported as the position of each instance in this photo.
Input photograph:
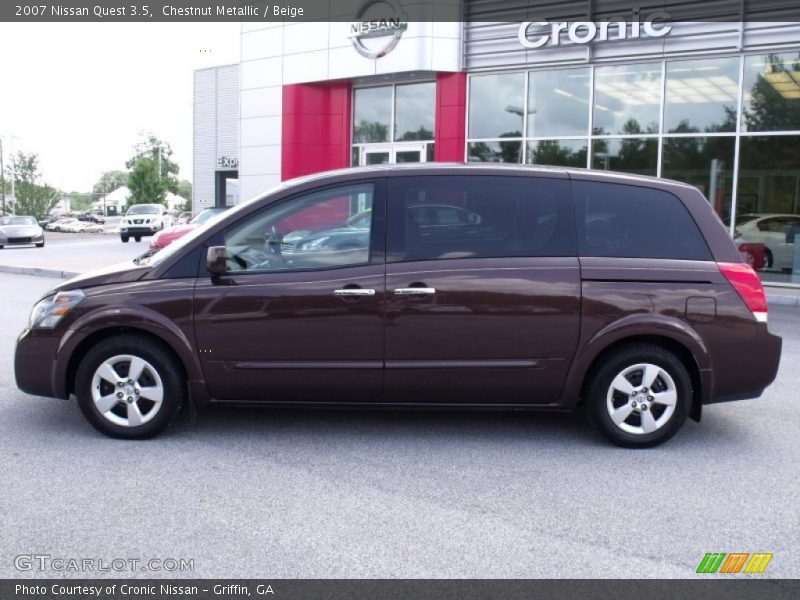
(627, 221)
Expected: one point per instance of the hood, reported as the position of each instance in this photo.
(20, 230)
(177, 230)
(123, 272)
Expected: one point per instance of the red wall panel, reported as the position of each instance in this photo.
(316, 128)
(451, 112)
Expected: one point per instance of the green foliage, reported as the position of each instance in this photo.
(158, 152)
(146, 187)
(185, 191)
(32, 198)
(109, 181)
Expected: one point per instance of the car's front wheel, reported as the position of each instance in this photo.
(124, 239)
(640, 396)
(130, 387)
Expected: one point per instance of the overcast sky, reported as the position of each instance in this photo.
(80, 94)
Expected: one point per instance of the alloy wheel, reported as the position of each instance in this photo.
(641, 398)
(127, 390)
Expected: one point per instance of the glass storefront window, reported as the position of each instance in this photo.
(627, 99)
(372, 114)
(771, 92)
(415, 111)
(629, 155)
(561, 153)
(705, 162)
(500, 105)
(558, 102)
(769, 175)
(507, 152)
(702, 95)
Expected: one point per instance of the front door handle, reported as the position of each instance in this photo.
(415, 291)
(349, 292)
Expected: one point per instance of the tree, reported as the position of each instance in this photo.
(145, 186)
(160, 153)
(32, 198)
(109, 181)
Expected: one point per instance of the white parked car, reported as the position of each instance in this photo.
(775, 231)
(144, 219)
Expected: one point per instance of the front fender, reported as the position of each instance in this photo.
(645, 325)
(176, 333)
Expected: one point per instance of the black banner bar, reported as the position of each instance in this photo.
(714, 588)
(177, 11)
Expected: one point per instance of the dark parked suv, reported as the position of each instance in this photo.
(621, 294)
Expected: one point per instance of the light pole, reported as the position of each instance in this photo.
(2, 177)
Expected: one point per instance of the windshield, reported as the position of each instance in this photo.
(143, 209)
(207, 215)
(18, 221)
(189, 239)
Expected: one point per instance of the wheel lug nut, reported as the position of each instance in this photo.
(119, 394)
(130, 399)
(651, 398)
(120, 384)
(644, 406)
(644, 390)
(136, 392)
(633, 404)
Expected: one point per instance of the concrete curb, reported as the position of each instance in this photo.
(783, 299)
(38, 272)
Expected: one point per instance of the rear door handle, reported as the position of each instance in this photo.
(347, 292)
(415, 291)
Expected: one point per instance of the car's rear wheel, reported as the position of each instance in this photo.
(640, 395)
(124, 239)
(130, 387)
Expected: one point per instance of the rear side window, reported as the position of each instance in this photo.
(635, 222)
(453, 216)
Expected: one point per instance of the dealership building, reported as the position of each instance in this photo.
(715, 104)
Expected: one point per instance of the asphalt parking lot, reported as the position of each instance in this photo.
(302, 493)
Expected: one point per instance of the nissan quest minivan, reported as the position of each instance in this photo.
(501, 287)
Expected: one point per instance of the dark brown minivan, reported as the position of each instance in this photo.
(422, 286)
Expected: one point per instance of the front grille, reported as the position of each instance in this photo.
(25, 240)
(287, 247)
(137, 221)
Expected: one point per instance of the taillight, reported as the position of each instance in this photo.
(748, 285)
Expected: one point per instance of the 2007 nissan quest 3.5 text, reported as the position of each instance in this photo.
(421, 286)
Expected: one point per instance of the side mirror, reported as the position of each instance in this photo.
(217, 260)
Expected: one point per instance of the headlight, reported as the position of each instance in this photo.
(48, 312)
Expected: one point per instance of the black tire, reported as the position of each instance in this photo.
(40, 245)
(599, 390)
(768, 259)
(124, 239)
(137, 238)
(160, 358)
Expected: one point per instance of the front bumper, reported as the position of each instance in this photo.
(138, 229)
(35, 364)
(22, 241)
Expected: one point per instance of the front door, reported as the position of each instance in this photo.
(298, 316)
(482, 288)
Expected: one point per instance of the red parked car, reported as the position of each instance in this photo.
(166, 236)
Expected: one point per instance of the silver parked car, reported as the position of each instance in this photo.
(775, 231)
(16, 231)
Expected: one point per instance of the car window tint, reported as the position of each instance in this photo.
(635, 222)
(309, 231)
(453, 216)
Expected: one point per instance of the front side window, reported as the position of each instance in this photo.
(324, 229)
(628, 221)
(451, 217)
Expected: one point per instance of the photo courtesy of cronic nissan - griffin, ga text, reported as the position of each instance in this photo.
(408, 286)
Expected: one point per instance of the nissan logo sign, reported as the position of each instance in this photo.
(537, 34)
(377, 36)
